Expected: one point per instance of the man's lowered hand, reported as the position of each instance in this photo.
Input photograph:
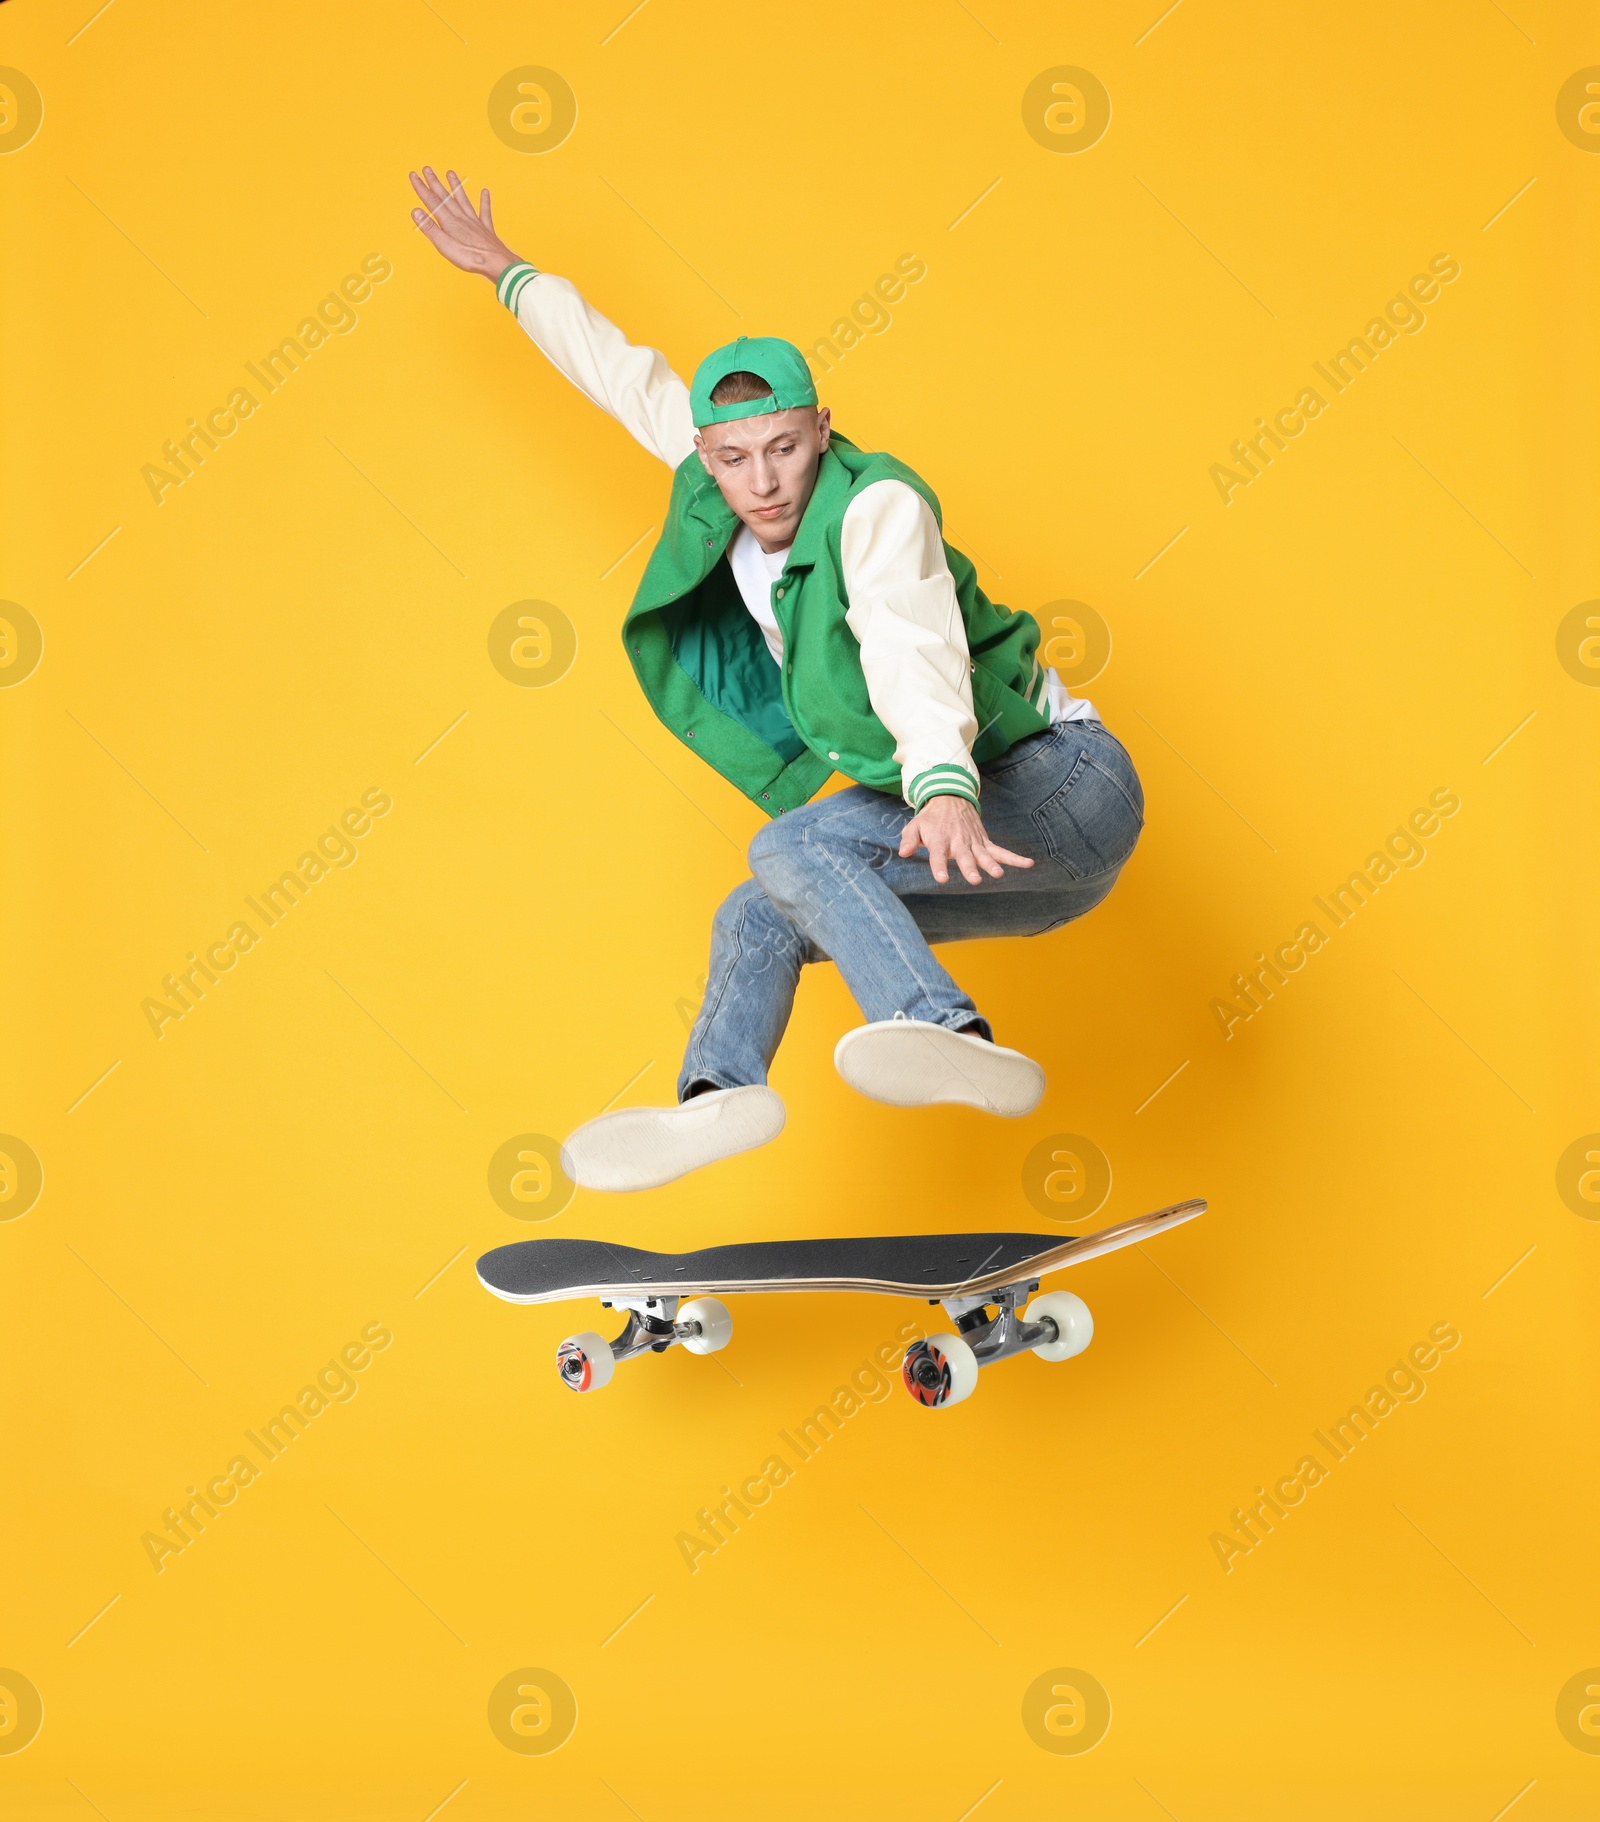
(951, 829)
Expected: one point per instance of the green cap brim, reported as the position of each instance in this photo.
(770, 358)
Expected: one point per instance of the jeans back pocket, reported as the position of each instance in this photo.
(1091, 822)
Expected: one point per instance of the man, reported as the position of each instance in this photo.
(802, 614)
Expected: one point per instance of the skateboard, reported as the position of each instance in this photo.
(972, 1275)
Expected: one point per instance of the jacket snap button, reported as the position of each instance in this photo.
(691, 733)
(710, 542)
(833, 755)
(764, 796)
(780, 594)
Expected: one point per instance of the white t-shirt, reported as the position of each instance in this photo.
(755, 570)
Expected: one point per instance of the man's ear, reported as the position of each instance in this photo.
(824, 425)
(700, 450)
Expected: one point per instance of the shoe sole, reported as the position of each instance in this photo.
(907, 1063)
(644, 1147)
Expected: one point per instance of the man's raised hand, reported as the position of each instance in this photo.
(464, 235)
(950, 829)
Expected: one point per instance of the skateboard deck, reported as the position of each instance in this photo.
(967, 1273)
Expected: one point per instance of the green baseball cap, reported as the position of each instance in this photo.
(778, 362)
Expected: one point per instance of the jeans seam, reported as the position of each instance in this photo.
(705, 1019)
(1104, 773)
(910, 963)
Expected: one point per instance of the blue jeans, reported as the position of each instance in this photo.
(829, 884)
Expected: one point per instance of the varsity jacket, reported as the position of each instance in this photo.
(897, 669)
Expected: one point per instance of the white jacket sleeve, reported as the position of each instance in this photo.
(635, 385)
(904, 611)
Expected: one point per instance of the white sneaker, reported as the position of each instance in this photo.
(911, 1063)
(643, 1147)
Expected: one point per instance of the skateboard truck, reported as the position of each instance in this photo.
(938, 1371)
(943, 1369)
(703, 1325)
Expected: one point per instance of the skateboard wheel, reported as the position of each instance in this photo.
(716, 1325)
(1074, 1324)
(940, 1370)
(585, 1362)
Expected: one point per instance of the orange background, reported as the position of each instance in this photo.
(306, 1152)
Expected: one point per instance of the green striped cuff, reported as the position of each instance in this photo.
(947, 780)
(511, 282)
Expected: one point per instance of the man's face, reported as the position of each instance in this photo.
(766, 468)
